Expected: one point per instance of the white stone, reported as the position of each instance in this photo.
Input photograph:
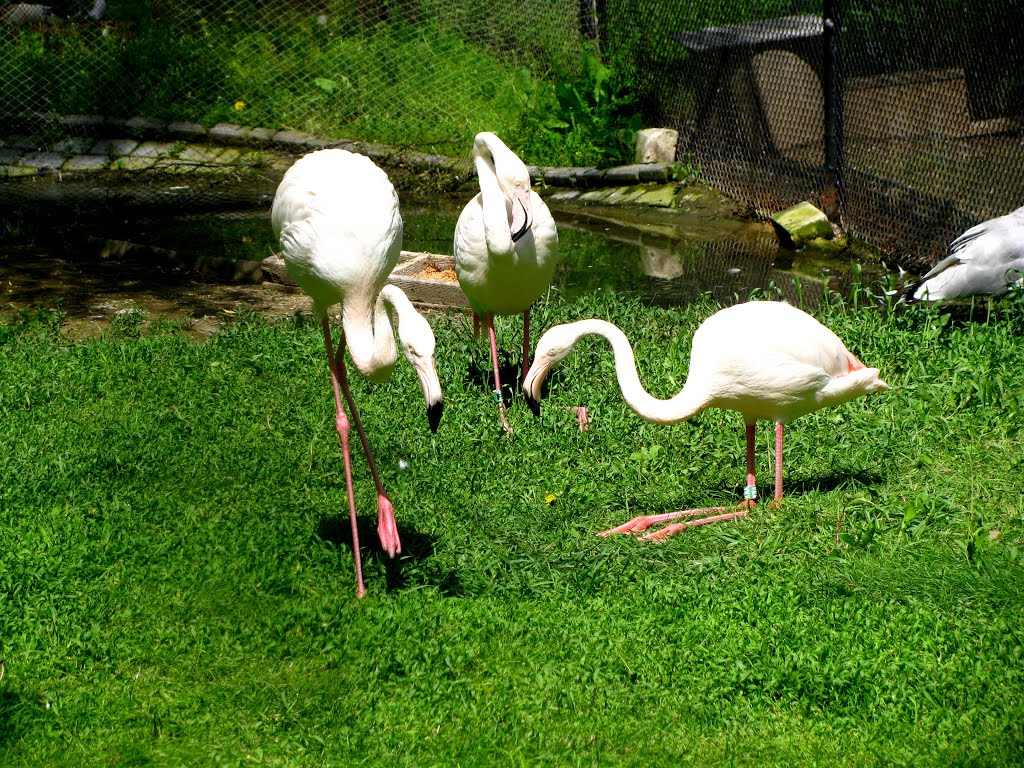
(656, 145)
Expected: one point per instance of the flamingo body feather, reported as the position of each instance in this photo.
(987, 259)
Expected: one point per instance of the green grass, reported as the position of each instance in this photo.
(177, 584)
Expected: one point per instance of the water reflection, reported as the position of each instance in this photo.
(728, 259)
(183, 266)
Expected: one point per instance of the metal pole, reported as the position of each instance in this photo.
(590, 17)
(832, 84)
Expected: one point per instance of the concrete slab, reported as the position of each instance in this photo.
(293, 138)
(185, 130)
(590, 177)
(655, 172)
(596, 195)
(86, 163)
(229, 156)
(49, 161)
(76, 145)
(17, 170)
(114, 147)
(146, 126)
(558, 177)
(261, 134)
(83, 122)
(155, 149)
(229, 133)
(20, 142)
(660, 197)
(623, 195)
(132, 163)
(200, 154)
(623, 175)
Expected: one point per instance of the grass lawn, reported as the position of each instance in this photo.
(177, 586)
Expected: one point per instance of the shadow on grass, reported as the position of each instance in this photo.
(828, 483)
(511, 389)
(10, 727)
(411, 568)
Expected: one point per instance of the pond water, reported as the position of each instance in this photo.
(185, 266)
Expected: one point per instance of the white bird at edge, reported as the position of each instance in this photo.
(986, 259)
(506, 246)
(337, 217)
(765, 359)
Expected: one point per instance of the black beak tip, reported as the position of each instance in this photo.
(534, 405)
(434, 413)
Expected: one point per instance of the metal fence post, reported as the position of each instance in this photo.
(590, 18)
(832, 194)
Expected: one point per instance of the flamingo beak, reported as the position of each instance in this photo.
(531, 388)
(434, 411)
(534, 405)
(522, 216)
(431, 386)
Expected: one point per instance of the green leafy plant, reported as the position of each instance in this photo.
(587, 119)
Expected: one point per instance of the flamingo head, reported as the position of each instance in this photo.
(553, 346)
(416, 339)
(513, 178)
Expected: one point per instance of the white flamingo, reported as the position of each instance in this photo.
(337, 217)
(986, 259)
(506, 246)
(765, 359)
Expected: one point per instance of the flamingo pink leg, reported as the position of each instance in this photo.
(387, 527)
(778, 462)
(643, 522)
(497, 376)
(342, 423)
(526, 346)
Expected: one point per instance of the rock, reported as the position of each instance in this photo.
(275, 270)
(656, 145)
(800, 224)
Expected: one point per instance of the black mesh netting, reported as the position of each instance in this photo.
(179, 101)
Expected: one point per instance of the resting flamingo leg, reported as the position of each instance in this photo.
(779, 427)
(342, 423)
(498, 397)
(526, 346)
(387, 527)
(642, 523)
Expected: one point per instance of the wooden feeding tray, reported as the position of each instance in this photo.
(429, 280)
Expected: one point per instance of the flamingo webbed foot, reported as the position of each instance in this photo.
(643, 522)
(582, 416)
(387, 528)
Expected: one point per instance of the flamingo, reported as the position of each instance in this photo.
(765, 359)
(986, 259)
(506, 246)
(337, 218)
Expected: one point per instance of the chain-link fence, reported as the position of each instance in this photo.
(903, 118)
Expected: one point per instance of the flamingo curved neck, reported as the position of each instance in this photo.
(692, 399)
(495, 205)
(369, 336)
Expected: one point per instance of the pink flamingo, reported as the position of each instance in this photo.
(336, 214)
(506, 246)
(765, 359)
